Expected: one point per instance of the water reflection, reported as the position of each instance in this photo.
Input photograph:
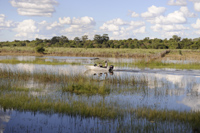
(4, 118)
(103, 75)
(53, 123)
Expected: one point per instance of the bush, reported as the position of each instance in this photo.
(40, 49)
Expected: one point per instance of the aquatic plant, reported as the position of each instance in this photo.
(159, 64)
(168, 115)
(86, 88)
(38, 61)
(23, 101)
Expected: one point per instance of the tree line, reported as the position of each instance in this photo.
(103, 41)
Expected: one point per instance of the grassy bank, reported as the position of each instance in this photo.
(38, 61)
(159, 64)
(89, 52)
(183, 54)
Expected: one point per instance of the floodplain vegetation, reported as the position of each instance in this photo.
(85, 52)
(19, 98)
(183, 59)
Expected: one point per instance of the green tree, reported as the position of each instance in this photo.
(176, 38)
(98, 39)
(77, 40)
(84, 38)
(105, 38)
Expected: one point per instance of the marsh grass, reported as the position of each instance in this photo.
(46, 77)
(9, 86)
(13, 97)
(86, 88)
(89, 52)
(183, 54)
(38, 61)
(168, 115)
(158, 64)
(23, 101)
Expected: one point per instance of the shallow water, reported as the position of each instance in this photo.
(168, 89)
(15, 121)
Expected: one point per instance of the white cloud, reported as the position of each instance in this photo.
(140, 30)
(117, 21)
(78, 25)
(5, 24)
(53, 25)
(65, 20)
(153, 11)
(158, 28)
(177, 2)
(186, 12)
(171, 33)
(34, 7)
(176, 17)
(195, 0)
(197, 32)
(75, 25)
(197, 25)
(115, 33)
(137, 23)
(121, 29)
(2, 17)
(113, 25)
(29, 29)
(83, 21)
(74, 28)
(134, 14)
(197, 6)
(77, 21)
(109, 27)
(26, 28)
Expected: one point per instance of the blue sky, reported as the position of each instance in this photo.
(120, 19)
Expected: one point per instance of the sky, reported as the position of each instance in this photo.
(120, 19)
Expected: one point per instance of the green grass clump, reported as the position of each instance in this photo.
(168, 115)
(158, 64)
(23, 101)
(38, 61)
(8, 87)
(86, 88)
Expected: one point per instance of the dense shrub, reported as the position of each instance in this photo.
(40, 49)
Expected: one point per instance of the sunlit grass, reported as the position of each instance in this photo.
(183, 55)
(38, 61)
(169, 115)
(23, 101)
(160, 65)
(89, 52)
(46, 77)
(86, 88)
